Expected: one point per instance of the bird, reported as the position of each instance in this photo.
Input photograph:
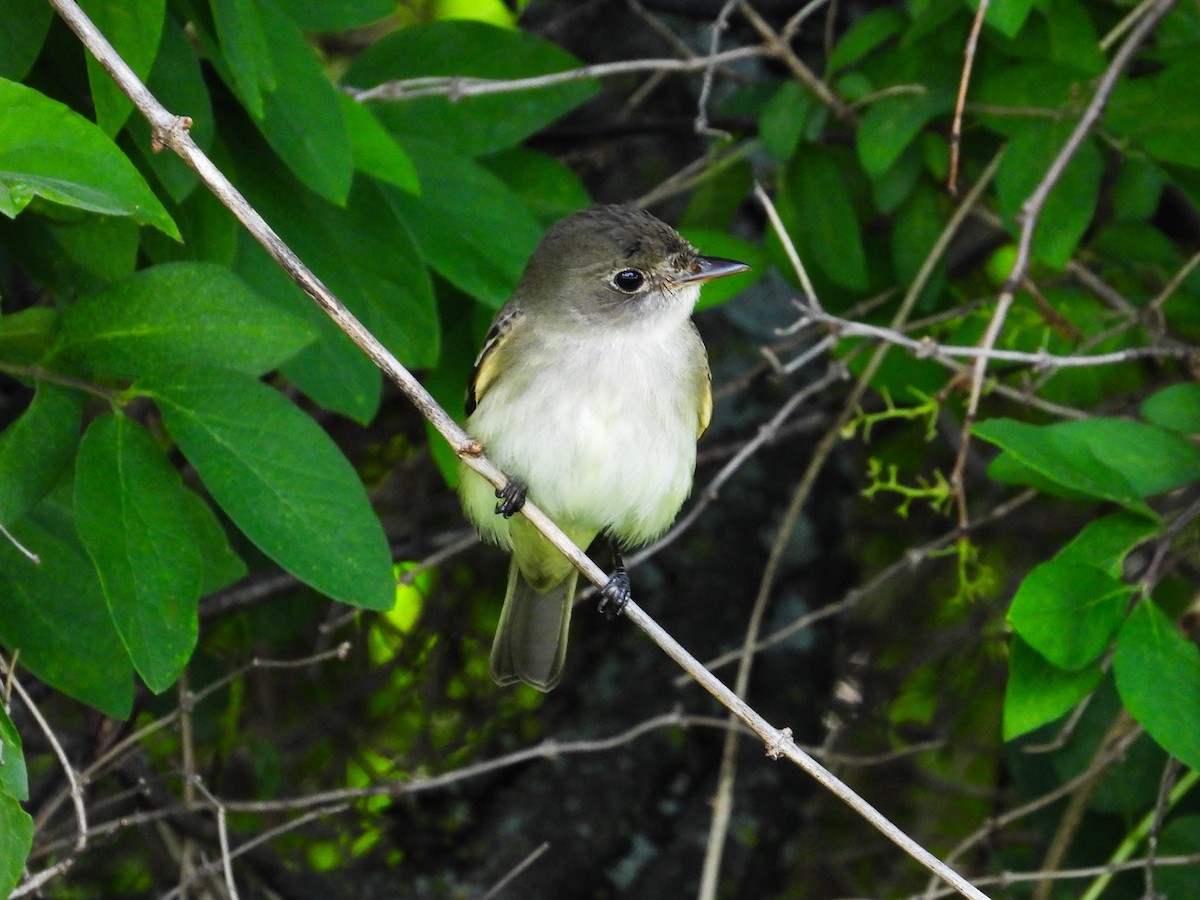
(590, 392)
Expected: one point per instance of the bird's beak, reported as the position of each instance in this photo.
(706, 268)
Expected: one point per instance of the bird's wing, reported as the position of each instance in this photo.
(488, 364)
(706, 403)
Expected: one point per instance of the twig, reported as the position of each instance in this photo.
(789, 247)
(456, 87)
(34, 882)
(927, 348)
(961, 102)
(515, 871)
(719, 26)
(21, 548)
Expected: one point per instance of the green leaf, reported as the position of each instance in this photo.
(1176, 407)
(1158, 676)
(281, 480)
(1181, 837)
(1105, 542)
(37, 448)
(1166, 130)
(483, 253)
(54, 613)
(321, 15)
(14, 779)
(546, 186)
(16, 839)
(867, 33)
(302, 115)
(1108, 459)
(243, 38)
(1007, 17)
(25, 25)
(375, 151)
(1073, 39)
(782, 123)
(1068, 611)
(181, 314)
(222, 566)
(471, 125)
(133, 27)
(131, 512)
(1039, 692)
(101, 246)
(822, 219)
(916, 228)
(46, 150)
(892, 123)
(1069, 208)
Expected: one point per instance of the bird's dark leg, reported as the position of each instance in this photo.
(616, 593)
(511, 497)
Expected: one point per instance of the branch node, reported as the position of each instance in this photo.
(780, 743)
(164, 136)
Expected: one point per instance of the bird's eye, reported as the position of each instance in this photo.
(628, 280)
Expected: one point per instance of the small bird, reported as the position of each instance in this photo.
(591, 391)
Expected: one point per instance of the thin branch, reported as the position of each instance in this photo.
(719, 26)
(515, 871)
(35, 882)
(927, 348)
(457, 87)
(961, 102)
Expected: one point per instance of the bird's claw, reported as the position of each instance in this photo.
(511, 497)
(615, 595)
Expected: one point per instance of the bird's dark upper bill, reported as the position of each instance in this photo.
(706, 268)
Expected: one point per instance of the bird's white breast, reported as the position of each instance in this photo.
(604, 436)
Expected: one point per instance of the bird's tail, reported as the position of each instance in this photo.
(531, 639)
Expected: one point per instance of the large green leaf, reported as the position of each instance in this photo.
(1039, 692)
(1158, 676)
(1068, 611)
(243, 38)
(1165, 130)
(47, 150)
(321, 15)
(16, 839)
(181, 314)
(865, 34)
(469, 226)
(1176, 407)
(1007, 17)
(25, 25)
(375, 151)
(1105, 458)
(820, 216)
(281, 480)
(1071, 204)
(133, 27)
(133, 518)
(54, 614)
(302, 117)
(892, 123)
(37, 448)
(478, 124)
(14, 779)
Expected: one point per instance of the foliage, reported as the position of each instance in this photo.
(179, 418)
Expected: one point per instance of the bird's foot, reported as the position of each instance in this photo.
(615, 595)
(511, 497)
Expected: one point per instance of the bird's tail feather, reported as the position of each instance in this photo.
(531, 639)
